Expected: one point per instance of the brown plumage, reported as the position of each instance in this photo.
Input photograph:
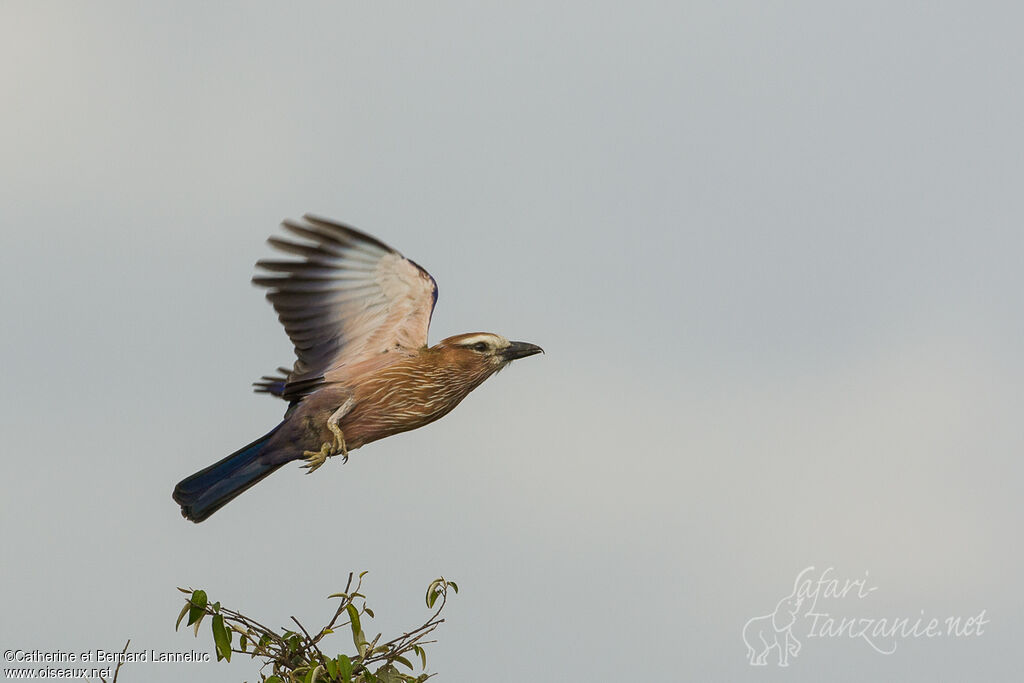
(357, 312)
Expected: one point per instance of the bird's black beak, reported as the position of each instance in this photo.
(517, 350)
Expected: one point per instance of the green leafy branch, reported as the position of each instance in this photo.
(296, 656)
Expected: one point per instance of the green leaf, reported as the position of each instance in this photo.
(184, 611)
(195, 626)
(422, 653)
(338, 595)
(402, 660)
(221, 638)
(198, 606)
(345, 668)
(243, 641)
(455, 586)
(368, 611)
(432, 592)
(353, 616)
(274, 679)
(388, 674)
(332, 668)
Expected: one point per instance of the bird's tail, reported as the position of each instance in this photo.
(210, 489)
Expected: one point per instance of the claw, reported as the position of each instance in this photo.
(314, 459)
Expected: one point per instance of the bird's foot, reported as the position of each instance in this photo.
(314, 459)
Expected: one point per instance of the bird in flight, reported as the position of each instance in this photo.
(357, 312)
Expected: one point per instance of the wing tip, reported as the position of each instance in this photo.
(347, 230)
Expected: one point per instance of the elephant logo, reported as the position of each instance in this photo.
(774, 632)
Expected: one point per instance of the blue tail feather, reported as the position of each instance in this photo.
(210, 489)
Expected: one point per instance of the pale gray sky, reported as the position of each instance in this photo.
(773, 253)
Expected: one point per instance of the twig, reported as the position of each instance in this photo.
(120, 663)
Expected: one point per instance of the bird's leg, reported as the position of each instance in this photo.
(314, 459)
(339, 439)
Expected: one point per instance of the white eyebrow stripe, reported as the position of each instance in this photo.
(489, 339)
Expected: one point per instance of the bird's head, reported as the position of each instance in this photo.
(484, 352)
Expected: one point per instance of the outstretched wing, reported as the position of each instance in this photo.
(348, 299)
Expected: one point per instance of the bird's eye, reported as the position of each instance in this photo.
(480, 346)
